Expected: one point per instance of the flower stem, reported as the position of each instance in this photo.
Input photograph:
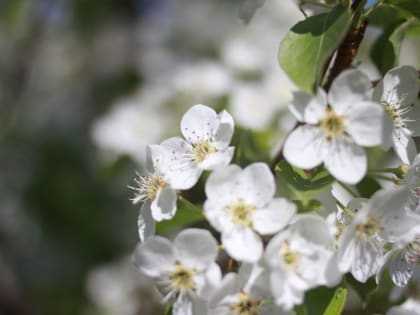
(347, 188)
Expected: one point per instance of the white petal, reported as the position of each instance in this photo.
(223, 133)
(400, 86)
(404, 146)
(216, 213)
(243, 245)
(401, 270)
(223, 184)
(257, 184)
(218, 159)
(307, 108)
(347, 91)
(164, 205)
(313, 228)
(195, 248)
(346, 254)
(274, 217)
(271, 255)
(370, 125)
(182, 306)
(146, 224)
(198, 123)
(304, 147)
(155, 256)
(346, 161)
(180, 172)
(414, 119)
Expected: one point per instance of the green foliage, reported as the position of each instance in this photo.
(368, 186)
(363, 290)
(310, 43)
(187, 214)
(337, 302)
(323, 300)
(409, 6)
(386, 49)
(302, 185)
(250, 146)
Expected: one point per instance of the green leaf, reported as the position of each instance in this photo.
(363, 290)
(337, 302)
(385, 15)
(168, 310)
(309, 44)
(409, 6)
(251, 146)
(317, 300)
(386, 49)
(302, 186)
(368, 186)
(186, 214)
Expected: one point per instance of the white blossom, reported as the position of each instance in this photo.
(336, 127)
(240, 205)
(184, 270)
(299, 259)
(206, 145)
(397, 92)
(156, 190)
(383, 219)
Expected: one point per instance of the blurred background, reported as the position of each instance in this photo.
(85, 85)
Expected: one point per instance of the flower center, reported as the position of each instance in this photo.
(332, 125)
(182, 278)
(288, 256)
(390, 110)
(369, 228)
(246, 306)
(412, 254)
(241, 213)
(148, 187)
(202, 149)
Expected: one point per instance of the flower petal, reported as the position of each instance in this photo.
(198, 123)
(195, 248)
(304, 147)
(218, 159)
(223, 184)
(224, 131)
(346, 161)
(155, 256)
(307, 108)
(181, 172)
(146, 224)
(404, 146)
(370, 125)
(401, 270)
(274, 217)
(347, 91)
(164, 205)
(257, 185)
(243, 245)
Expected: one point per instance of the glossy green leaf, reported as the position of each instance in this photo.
(186, 214)
(317, 300)
(337, 302)
(386, 49)
(410, 6)
(309, 44)
(302, 186)
(385, 15)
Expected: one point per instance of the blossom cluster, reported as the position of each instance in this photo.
(283, 252)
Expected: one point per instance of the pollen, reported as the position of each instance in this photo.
(287, 255)
(332, 125)
(390, 110)
(369, 228)
(241, 213)
(148, 187)
(245, 306)
(182, 278)
(202, 149)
